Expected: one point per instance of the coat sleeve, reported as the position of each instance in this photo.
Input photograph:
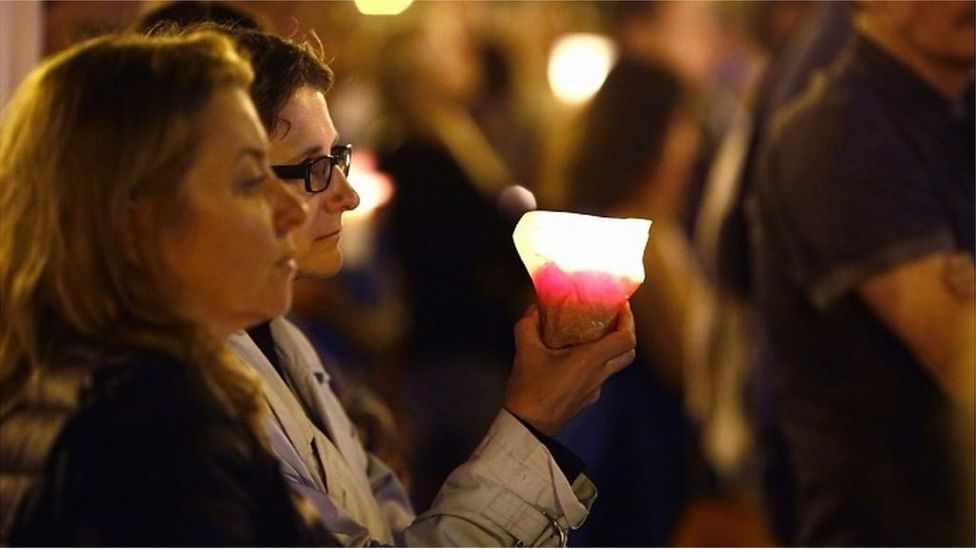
(392, 498)
(510, 493)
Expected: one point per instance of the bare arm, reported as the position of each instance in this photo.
(935, 321)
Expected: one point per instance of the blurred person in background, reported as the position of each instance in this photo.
(132, 170)
(865, 199)
(703, 42)
(510, 122)
(729, 398)
(632, 159)
(464, 284)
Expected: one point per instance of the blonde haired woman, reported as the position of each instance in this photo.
(139, 226)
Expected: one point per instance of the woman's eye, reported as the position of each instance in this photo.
(253, 184)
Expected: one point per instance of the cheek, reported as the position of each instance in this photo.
(232, 245)
(215, 254)
(303, 236)
(199, 268)
(322, 217)
(316, 215)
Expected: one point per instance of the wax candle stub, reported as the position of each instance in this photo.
(578, 307)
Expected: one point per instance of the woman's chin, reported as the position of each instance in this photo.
(273, 309)
(320, 267)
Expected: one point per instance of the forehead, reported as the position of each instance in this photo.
(304, 123)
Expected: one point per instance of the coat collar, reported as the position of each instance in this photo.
(305, 373)
(310, 381)
(286, 409)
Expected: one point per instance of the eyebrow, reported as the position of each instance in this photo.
(258, 154)
(313, 150)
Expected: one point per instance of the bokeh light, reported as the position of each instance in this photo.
(578, 65)
(382, 7)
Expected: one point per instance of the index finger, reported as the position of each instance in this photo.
(617, 342)
(625, 318)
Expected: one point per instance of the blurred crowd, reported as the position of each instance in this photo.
(707, 439)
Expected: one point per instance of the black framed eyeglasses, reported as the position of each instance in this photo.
(317, 172)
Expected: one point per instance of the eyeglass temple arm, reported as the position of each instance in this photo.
(290, 172)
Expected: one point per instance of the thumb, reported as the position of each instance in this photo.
(625, 318)
(528, 324)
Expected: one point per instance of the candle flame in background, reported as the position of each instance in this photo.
(382, 7)
(373, 186)
(582, 243)
(578, 65)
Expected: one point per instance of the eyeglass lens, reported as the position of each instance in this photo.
(321, 170)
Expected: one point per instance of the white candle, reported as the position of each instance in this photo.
(583, 268)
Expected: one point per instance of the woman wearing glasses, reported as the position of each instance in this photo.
(139, 226)
(519, 487)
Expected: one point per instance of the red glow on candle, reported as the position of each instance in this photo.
(553, 285)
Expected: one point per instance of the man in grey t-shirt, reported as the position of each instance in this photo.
(865, 193)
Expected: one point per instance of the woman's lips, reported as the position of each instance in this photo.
(333, 234)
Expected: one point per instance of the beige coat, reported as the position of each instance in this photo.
(509, 493)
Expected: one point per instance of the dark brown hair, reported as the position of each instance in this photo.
(281, 67)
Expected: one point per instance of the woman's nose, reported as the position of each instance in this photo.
(288, 209)
(340, 196)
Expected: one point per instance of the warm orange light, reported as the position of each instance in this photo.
(578, 65)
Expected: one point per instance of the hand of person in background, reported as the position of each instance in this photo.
(548, 387)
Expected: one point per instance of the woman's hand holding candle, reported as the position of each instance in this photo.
(548, 387)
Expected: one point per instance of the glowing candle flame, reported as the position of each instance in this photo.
(583, 268)
(577, 242)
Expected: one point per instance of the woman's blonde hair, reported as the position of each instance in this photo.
(94, 147)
